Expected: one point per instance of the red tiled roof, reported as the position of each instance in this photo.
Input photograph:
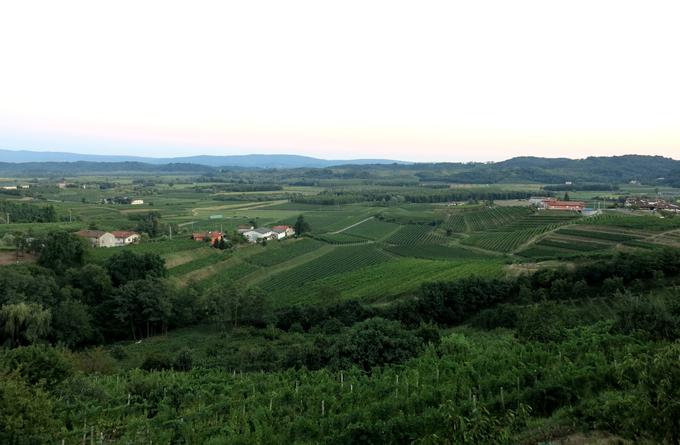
(90, 233)
(123, 233)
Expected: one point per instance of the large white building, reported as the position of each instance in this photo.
(260, 233)
(98, 238)
(123, 237)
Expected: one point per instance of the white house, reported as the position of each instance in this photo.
(283, 231)
(98, 238)
(255, 235)
(123, 237)
(136, 202)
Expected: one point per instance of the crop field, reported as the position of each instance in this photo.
(338, 261)
(284, 252)
(413, 234)
(385, 281)
(491, 218)
(373, 229)
(636, 222)
(341, 238)
(436, 252)
(504, 241)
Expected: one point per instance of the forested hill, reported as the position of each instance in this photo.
(616, 169)
(102, 168)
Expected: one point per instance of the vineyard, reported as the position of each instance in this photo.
(341, 238)
(284, 252)
(373, 229)
(413, 234)
(436, 252)
(383, 282)
(492, 218)
(338, 261)
(504, 241)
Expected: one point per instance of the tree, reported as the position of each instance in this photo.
(60, 250)
(24, 323)
(566, 196)
(229, 306)
(129, 266)
(376, 342)
(144, 305)
(72, 323)
(301, 226)
(93, 281)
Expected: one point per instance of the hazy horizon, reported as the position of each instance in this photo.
(440, 81)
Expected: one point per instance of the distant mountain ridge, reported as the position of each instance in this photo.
(248, 161)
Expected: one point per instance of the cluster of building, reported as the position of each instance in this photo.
(117, 238)
(123, 200)
(543, 203)
(204, 236)
(651, 204)
(259, 234)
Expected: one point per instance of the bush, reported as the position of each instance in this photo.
(156, 362)
(38, 364)
(184, 360)
(646, 318)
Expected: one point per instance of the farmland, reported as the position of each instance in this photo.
(379, 306)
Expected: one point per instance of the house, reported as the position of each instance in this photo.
(137, 202)
(123, 237)
(9, 187)
(283, 231)
(98, 238)
(652, 204)
(61, 184)
(574, 206)
(538, 201)
(261, 233)
(212, 236)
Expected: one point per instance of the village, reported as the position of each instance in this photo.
(118, 238)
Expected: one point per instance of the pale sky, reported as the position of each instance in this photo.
(417, 80)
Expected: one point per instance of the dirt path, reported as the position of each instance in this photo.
(353, 225)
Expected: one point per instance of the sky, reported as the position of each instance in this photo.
(410, 80)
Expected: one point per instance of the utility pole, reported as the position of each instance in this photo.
(170, 227)
(70, 217)
(7, 217)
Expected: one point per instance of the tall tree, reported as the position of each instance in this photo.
(301, 226)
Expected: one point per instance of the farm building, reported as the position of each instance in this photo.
(574, 206)
(243, 228)
(283, 231)
(261, 233)
(123, 237)
(137, 202)
(98, 238)
(212, 236)
(652, 204)
(554, 204)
